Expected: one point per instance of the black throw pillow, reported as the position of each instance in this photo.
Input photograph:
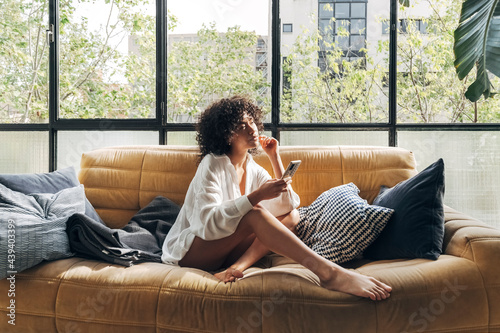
(416, 229)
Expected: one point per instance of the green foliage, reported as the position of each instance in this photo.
(336, 91)
(98, 80)
(23, 61)
(477, 44)
(212, 65)
(429, 90)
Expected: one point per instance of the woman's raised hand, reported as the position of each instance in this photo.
(269, 144)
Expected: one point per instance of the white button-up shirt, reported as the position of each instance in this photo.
(214, 205)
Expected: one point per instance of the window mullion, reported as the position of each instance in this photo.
(53, 81)
(393, 73)
(275, 68)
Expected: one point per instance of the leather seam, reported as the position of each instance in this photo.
(115, 287)
(213, 296)
(341, 155)
(183, 329)
(139, 189)
(471, 241)
(101, 321)
(63, 276)
(460, 329)
(38, 314)
(110, 187)
(109, 167)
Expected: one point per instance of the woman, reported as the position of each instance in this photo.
(234, 213)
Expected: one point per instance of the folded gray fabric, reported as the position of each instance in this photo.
(139, 241)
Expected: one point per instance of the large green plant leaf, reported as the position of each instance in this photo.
(477, 42)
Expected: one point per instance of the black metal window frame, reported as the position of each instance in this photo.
(160, 124)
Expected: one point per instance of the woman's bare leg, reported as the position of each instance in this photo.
(278, 238)
(244, 257)
(212, 255)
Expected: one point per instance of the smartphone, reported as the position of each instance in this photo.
(291, 169)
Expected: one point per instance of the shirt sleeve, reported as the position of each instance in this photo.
(213, 217)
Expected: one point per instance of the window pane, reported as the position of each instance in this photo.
(107, 59)
(342, 42)
(342, 10)
(472, 175)
(358, 26)
(333, 138)
(357, 42)
(342, 26)
(385, 27)
(358, 10)
(326, 10)
(24, 152)
(429, 90)
(325, 77)
(217, 50)
(287, 27)
(24, 62)
(423, 27)
(72, 144)
(181, 138)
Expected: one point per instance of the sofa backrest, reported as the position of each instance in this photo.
(121, 180)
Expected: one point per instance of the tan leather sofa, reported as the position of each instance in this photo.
(459, 292)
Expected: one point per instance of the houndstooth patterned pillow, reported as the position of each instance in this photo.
(339, 225)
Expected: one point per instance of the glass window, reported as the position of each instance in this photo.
(326, 10)
(423, 27)
(212, 53)
(428, 88)
(24, 152)
(333, 138)
(108, 59)
(182, 138)
(287, 27)
(357, 42)
(358, 10)
(325, 28)
(24, 57)
(386, 25)
(341, 27)
(342, 10)
(348, 86)
(471, 162)
(72, 144)
(358, 26)
(342, 42)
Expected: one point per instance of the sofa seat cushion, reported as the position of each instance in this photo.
(98, 297)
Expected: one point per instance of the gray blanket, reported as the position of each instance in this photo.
(139, 241)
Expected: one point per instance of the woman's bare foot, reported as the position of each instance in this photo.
(357, 284)
(229, 275)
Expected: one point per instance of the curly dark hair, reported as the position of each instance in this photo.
(219, 121)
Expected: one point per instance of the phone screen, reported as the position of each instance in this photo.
(291, 169)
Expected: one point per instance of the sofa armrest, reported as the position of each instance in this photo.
(472, 239)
